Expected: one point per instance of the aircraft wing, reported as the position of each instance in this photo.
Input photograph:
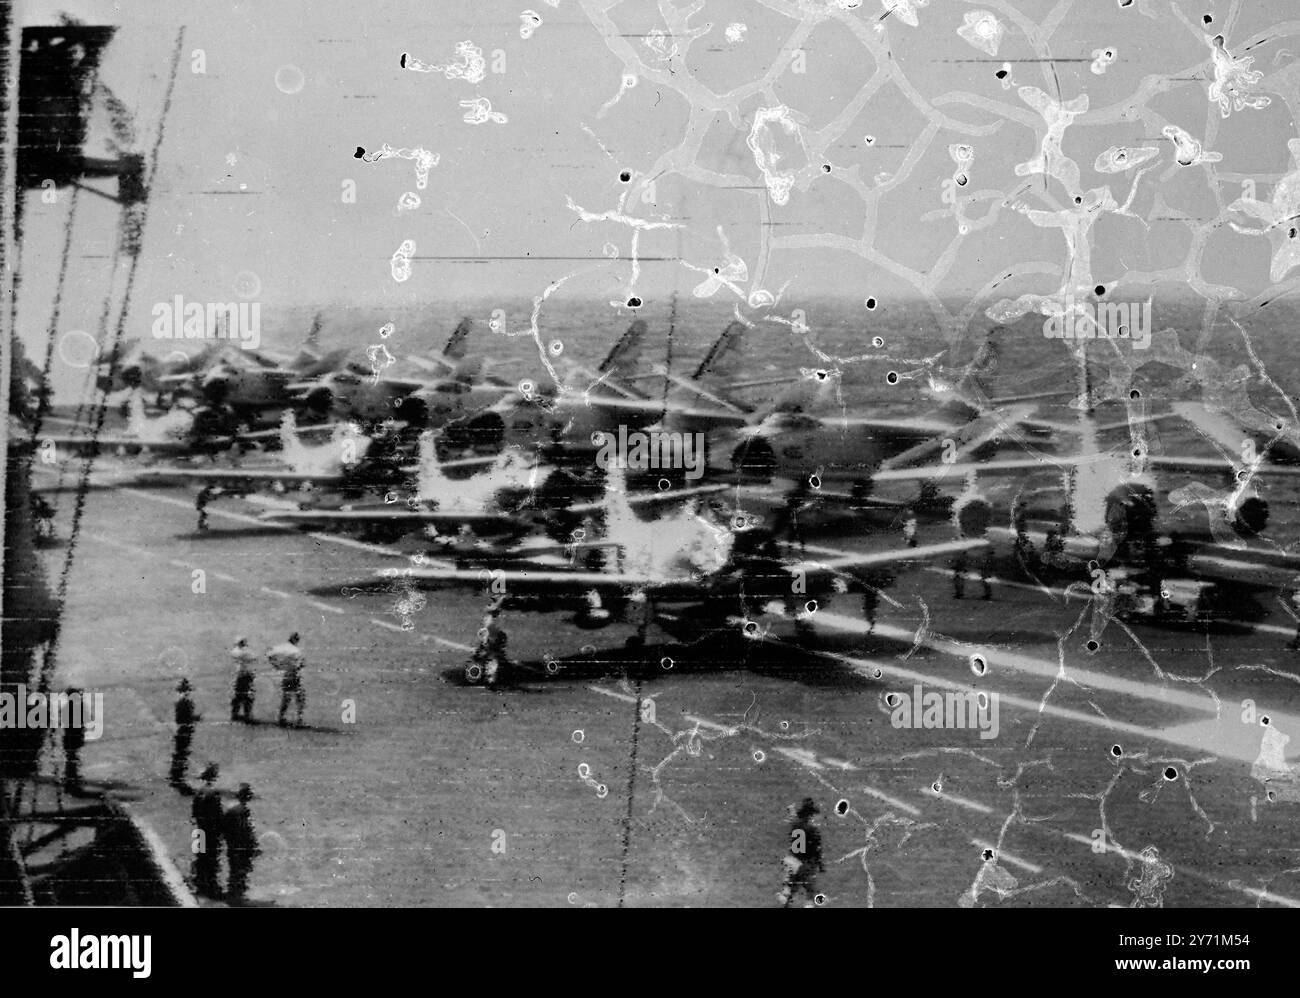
(737, 386)
(1076, 428)
(1032, 396)
(235, 477)
(118, 444)
(968, 437)
(698, 389)
(644, 498)
(1222, 430)
(1259, 555)
(916, 427)
(730, 386)
(435, 365)
(719, 417)
(394, 514)
(1060, 463)
(1239, 571)
(1048, 463)
(540, 581)
(605, 381)
(560, 583)
(881, 559)
(275, 358)
(404, 385)
(1227, 432)
(134, 445)
(1220, 465)
(442, 367)
(274, 434)
(780, 495)
(460, 462)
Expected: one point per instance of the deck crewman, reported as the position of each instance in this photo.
(909, 529)
(288, 659)
(206, 812)
(870, 604)
(74, 738)
(803, 861)
(490, 652)
(959, 575)
(241, 845)
(186, 716)
(986, 570)
(241, 704)
(1054, 558)
(205, 496)
(787, 524)
(43, 516)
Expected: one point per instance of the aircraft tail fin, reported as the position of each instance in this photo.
(456, 344)
(627, 351)
(313, 334)
(311, 363)
(725, 358)
(974, 381)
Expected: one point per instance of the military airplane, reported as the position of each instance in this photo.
(448, 386)
(689, 559)
(346, 462)
(459, 503)
(1106, 533)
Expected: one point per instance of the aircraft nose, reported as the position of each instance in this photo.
(215, 386)
(320, 399)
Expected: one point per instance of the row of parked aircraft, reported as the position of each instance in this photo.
(505, 477)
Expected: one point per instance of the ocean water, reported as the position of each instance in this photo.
(840, 335)
(1257, 349)
(915, 346)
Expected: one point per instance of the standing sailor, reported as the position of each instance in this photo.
(288, 659)
(241, 845)
(206, 813)
(909, 528)
(241, 704)
(186, 716)
(74, 738)
(201, 501)
(804, 860)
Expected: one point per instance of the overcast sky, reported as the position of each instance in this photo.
(258, 150)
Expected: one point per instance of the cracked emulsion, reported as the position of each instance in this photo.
(790, 156)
